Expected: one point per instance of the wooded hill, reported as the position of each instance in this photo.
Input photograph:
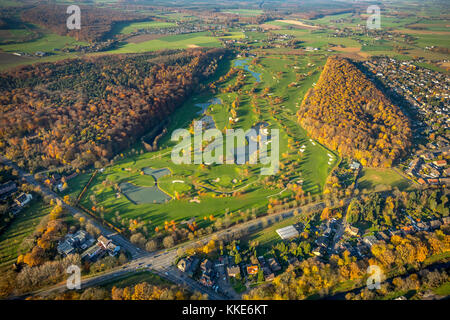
(95, 22)
(86, 110)
(347, 113)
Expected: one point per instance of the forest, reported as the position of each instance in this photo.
(346, 112)
(96, 23)
(84, 111)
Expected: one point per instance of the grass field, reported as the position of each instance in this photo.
(127, 28)
(370, 178)
(268, 237)
(184, 41)
(245, 12)
(22, 226)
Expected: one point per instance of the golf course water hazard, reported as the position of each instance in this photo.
(244, 63)
(141, 195)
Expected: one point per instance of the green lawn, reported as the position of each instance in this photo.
(268, 237)
(371, 177)
(22, 226)
(443, 290)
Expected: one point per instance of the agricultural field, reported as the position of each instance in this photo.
(31, 39)
(127, 28)
(245, 12)
(184, 41)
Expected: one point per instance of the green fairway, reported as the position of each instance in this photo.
(200, 191)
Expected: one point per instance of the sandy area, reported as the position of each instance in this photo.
(193, 46)
(266, 26)
(298, 23)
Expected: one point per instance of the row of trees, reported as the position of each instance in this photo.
(346, 112)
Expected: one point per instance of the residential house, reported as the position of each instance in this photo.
(252, 269)
(7, 188)
(274, 265)
(353, 231)
(435, 224)
(370, 240)
(23, 199)
(233, 271)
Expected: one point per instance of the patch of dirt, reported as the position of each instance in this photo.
(266, 26)
(354, 53)
(143, 37)
(445, 65)
(346, 49)
(299, 24)
(193, 46)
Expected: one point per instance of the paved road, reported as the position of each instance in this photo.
(114, 236)
(160, 262)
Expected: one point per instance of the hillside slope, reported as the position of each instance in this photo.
(346, 112)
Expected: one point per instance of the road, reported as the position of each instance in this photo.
(114, 236)
(160, 262)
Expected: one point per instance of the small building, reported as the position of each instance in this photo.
(233, 271)
(287, 232)
(353, 231)
(7, 188)
(355, 165)
(252, 269)
(370, 240)
(65, 248)
(274, 265)
(435, 224)
(440, 163)
(184, 265)
(23, 199)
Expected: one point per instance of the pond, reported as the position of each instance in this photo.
(244, 63)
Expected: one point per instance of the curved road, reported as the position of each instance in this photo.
(160, 262)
